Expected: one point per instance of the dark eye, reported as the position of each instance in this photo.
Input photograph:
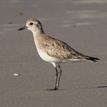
(31, 23)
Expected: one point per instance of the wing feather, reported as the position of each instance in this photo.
(59, 49)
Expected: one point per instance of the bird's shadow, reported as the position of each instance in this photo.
(52, 89)
(101, 86)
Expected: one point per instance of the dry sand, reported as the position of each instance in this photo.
(80, 23)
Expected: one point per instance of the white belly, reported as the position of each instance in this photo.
(46, 57)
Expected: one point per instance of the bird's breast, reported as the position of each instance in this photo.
(42, 51)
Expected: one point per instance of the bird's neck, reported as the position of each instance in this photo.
(37, 36)
(37, 33)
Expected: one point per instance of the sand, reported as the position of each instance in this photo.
(25, 78)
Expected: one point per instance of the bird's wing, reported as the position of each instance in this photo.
(59, 49)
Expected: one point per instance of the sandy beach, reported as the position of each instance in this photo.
(80, 23)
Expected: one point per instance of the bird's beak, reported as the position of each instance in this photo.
(22, 28)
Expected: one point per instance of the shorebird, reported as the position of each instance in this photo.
(53, 50)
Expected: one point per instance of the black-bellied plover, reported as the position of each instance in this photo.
(53, 50)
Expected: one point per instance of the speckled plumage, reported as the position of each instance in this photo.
(53, 50)
(56, 48)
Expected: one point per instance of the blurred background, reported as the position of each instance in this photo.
(80, 23)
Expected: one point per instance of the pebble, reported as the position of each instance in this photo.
(16, 74)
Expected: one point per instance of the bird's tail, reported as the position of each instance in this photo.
(94, 59)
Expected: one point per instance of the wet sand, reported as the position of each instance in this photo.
(80, 23)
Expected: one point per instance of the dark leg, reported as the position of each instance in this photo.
(56, 81)
(58, 76)
(60, 73)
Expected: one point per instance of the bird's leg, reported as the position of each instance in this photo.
(58, 76)
(56, 81)
(60, 73)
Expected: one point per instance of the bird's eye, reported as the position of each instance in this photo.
(31, 23)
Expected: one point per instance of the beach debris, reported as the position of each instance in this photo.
(16, 74)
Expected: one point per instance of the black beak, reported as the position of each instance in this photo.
(22, 28)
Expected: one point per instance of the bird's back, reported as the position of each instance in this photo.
(56, 48)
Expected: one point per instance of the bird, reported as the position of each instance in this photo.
(53, 50)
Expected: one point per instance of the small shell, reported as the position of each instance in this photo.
(16, 74)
